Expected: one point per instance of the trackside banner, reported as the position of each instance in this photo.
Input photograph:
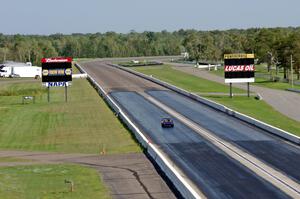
(239, 68)
(56, 84)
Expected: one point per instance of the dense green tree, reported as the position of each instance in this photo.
(295, 46)
(271, 45)
(3, 53)
(194, 46)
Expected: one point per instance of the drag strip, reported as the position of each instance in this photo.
(210, 169)
(112, 79)
(272, 150)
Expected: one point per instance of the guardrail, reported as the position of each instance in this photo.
(264, 126)
(293, 90)
(178, 180)
(79, 76)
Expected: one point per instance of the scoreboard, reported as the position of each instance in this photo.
(57, 69)
(239, 68)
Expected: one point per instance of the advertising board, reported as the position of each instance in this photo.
(57, 69)
(239, 68)
(57, 72)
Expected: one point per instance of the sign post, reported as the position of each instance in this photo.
(66, 94)
(57, 72)
(248, 89)
(239, 68)
(48, 88)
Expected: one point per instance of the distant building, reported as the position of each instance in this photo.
(135, 61)
(185, 55)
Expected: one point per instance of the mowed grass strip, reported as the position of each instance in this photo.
(265, 81)
(260, 110)
(274, 85)
(84, 124)
(188, 82)
(249, 106)
(48, 181)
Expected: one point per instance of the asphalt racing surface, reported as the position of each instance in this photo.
(215, 173)
(272, 150)
(112, 79)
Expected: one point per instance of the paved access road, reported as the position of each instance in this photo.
(128, 176)
(211, 170)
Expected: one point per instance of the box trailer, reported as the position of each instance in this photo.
(21, 71)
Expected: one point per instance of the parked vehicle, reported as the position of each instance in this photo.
(21, 71)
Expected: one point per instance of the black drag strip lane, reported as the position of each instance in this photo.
(212, 171)
(272, 150)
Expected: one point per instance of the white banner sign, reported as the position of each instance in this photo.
(56, 84)
(240, 80)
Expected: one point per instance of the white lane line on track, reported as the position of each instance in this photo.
(278, 179)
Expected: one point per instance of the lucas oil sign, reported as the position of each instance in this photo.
(57, 69)
(239, 68)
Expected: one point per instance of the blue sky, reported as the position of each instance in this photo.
(91, 16)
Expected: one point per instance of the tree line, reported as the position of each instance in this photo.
(270, 45)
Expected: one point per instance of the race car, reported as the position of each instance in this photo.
(167, 123)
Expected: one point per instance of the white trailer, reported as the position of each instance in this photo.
(21, 71)
(32, 71)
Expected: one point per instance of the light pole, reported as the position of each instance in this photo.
(270, 64)
(292, 78)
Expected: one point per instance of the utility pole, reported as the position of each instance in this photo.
(230, 90)
(292, 78)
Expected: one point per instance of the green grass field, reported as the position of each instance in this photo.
(84, 124)
(265, 80)
(274, 85)
(260, 110)
(188, 82)
(47, 181)
(257, 109)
